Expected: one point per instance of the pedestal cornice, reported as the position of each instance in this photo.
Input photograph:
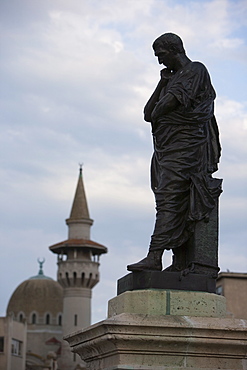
(162, 342)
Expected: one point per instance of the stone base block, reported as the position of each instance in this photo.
(168, 302)
(135, 341)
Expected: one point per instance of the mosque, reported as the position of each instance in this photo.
(41, 311)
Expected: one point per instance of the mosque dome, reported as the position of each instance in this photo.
(38, 299)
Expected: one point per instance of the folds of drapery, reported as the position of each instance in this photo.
(181, 178)
(186, 153)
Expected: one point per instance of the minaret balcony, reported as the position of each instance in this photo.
(84, 274)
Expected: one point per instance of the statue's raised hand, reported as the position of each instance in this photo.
(166, 74)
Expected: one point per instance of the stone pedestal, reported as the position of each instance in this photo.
(172, 330)
(168, 302)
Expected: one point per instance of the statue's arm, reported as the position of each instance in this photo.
(165, 75)
(165, 105)
(149, 107)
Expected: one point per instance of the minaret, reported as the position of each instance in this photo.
(78, 271)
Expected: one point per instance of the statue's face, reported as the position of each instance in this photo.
(164, 55)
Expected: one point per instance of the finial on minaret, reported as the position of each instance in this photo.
(41, 265)
(80, 164)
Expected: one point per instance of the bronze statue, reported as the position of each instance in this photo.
(186, 153)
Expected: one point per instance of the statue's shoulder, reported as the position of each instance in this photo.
(200, 70)
(193, 68)
(198, 67)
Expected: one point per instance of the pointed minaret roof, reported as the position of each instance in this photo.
(79, 224)
(79, 208)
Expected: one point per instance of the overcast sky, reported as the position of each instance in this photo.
(75, 76)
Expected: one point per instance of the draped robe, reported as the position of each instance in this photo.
(186, 153)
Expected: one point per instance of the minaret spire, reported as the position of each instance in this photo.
(79, 222)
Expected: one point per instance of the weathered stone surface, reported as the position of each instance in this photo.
(146, 342)
(168, 302)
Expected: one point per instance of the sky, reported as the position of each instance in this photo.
(75, 76)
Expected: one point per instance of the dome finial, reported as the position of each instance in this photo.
(41, 265)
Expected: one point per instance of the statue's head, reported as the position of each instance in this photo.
(167, 47)
(171, 42)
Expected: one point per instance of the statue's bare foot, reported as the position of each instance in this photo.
(151, 262)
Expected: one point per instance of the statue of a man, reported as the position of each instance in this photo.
(186, 151)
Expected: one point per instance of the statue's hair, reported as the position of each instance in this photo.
(171, 41)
